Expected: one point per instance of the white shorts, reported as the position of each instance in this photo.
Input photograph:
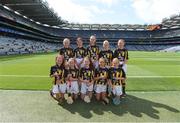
(85, 88)
(74, 89)
(100, 88)
(60, 88)
(117, 90)
(124, 67)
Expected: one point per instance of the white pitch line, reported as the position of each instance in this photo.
(43, 76)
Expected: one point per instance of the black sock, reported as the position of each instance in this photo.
(123, 90)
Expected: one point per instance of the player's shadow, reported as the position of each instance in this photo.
(134, 105)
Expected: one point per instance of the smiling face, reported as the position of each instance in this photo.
(92, 40)
(106, 45)
(101, 62)
(79, 42)
(121, 44)
(86, 62)
(115, 62)
(71, 62)
(66, 42)
(59, 60)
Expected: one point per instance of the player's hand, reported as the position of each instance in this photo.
(55, 74)
(120, 78)
(89, 84)
(102, 77)
(86, 81)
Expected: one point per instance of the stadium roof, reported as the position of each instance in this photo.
(36, 10)
(39, 11)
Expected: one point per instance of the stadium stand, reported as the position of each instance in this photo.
(22, 32)
(10, 46)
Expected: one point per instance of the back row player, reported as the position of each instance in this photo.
(94, 53)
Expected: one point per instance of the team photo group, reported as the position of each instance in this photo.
(86, 72)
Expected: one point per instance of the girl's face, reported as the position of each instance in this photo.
(59, 60)
(92, 40)
(115, 62)
(106, 45)
(120, 44)
(66, 44)
(79, 42)
(71, 63)
(86, 62)
(101, 62)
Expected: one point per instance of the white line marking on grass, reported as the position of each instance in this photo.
(43, 76)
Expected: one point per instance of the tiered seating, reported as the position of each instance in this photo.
(22, 46)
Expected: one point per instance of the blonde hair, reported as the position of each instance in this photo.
(115, 60)
(106, 41)
(66, 40)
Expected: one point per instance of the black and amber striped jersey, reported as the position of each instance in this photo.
(121, 54)
(93, 51)
(80, 52)
(61, 71)
(107, 55)
(115, 73)
(86, 74)
(74, 72)
(101, 72)
(67, 52)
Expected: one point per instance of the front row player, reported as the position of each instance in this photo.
(117, 77)
(58, 73)
(72, 79)
(86, 79)
(101, 81)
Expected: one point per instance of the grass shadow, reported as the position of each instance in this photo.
(131, 104)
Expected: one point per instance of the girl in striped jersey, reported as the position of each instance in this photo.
(93, 51)
(72, 79)
(117, 76)
(79, 52)
(122, 54)
(66, 51)
(86, 76)
(58, 73)
(106, 53)
(101, 81)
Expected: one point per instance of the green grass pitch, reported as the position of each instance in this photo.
(153, 87)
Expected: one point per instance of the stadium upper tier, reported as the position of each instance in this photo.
(16, 25)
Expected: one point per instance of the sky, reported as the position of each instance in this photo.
(115, 11)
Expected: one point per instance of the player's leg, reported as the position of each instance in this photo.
(83, 90)
(62, 88)
(75, 89)
(103, 94)
(98, 92)
(118, 91)
(123, 88)
(56, 92)
(90, 91)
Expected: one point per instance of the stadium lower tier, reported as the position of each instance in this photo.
(9, 46)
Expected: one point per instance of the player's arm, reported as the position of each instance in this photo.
(96, 76)
(53, 72)
(126, 57)
(110, 78)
